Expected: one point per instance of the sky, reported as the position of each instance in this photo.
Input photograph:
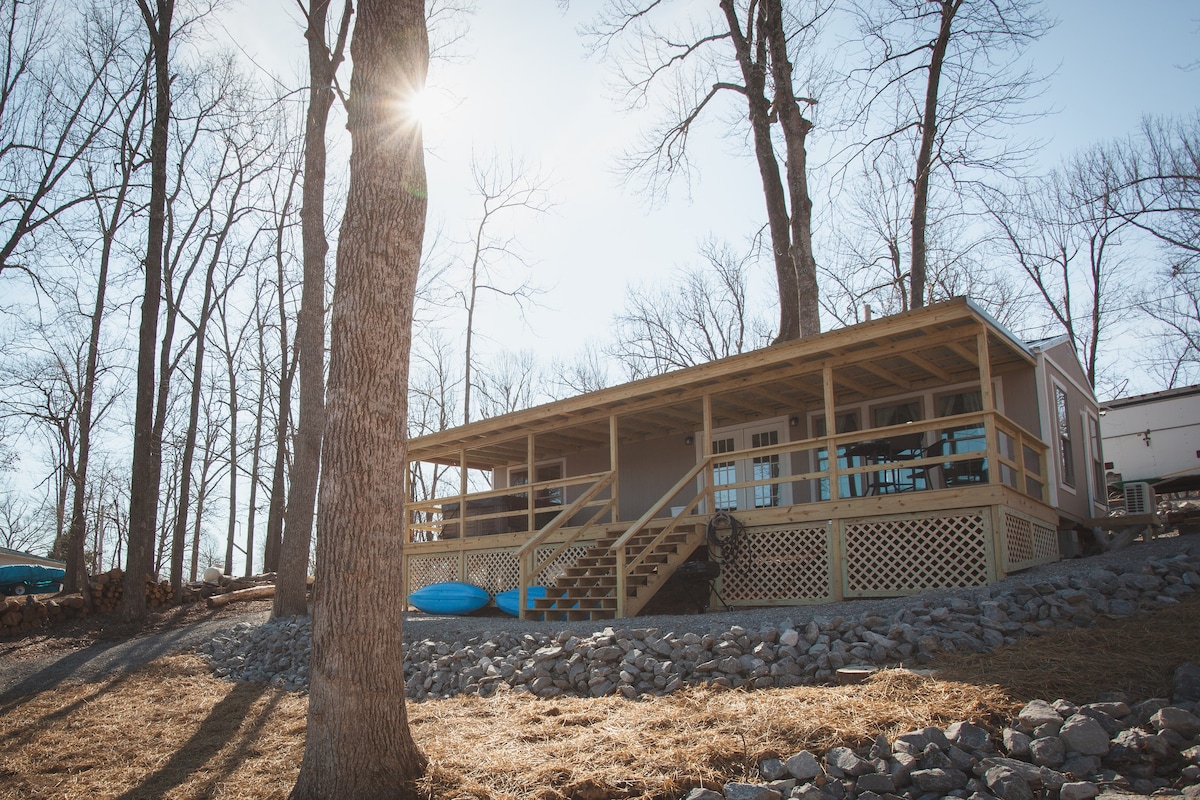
(523, 87)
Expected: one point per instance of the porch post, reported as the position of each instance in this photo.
(989, 405)
(706, 445)
(830, 431)
(407, 488)
(532, 477)
(462, 493)
(613, 455)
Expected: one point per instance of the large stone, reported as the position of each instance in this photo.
(1172, 718)
(1078, 790)
(971, 738)
(772, 769)
(751, 791)
(803, 766)
(1016, 742)
(1047, 751)
(942, 781)
(876, 782)
(846, 761)
(1007, 783)
(1037, 713)
(704, 794)
(1083, 734)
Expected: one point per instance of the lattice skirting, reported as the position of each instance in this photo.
(780, 563)
(493, 570)
(1027, 542)
(424, 570)
(886, 557)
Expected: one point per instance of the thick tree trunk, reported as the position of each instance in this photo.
(147, 449)
(917, 269)
(358, 743)
(795, 132)
(290, 599)
(754, 74)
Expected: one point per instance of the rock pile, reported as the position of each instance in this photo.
(641, 661)
(1054, 749)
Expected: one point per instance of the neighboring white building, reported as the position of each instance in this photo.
(10, 556)
(1154, 438)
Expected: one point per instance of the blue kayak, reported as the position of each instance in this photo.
(451, 597)
(19, 579)
(509, 601)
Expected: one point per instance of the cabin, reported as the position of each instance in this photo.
(955, 454)
(1154, 438)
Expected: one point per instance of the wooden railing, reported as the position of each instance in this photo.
(429, 516)
(527, 560)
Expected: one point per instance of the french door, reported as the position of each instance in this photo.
(729, 473)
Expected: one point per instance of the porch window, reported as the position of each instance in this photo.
(723, 474)
(848, 485)
(764, 468)
(1065, 456)
(964, 439)
(545, 471)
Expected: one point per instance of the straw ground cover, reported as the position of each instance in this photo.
(171, 731)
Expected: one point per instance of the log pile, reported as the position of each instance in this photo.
(108, 588)
(19, 617)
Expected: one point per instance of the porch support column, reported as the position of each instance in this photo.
(989, 405)
(462, 493)
(830, 431)
(530, 480)
(613, 462)
(706, 446)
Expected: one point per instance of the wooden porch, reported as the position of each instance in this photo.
(943, 500)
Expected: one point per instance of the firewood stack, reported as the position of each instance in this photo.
(20, 616)
(108, 587)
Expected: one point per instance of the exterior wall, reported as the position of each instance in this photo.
(1153, 436)
(649, 469)
(1019, 394)
(1081, 496)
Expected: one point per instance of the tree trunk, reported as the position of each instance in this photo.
(143, 488)
(358, 743)
(754, 75)
(917, 270)
(795, 132)
(290, 599)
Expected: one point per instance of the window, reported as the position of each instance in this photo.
(847, 422)
(748, 469)
(1065, 456)
(545, 471)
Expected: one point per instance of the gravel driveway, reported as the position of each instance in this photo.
(107, 660)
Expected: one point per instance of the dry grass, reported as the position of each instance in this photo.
(171, 731)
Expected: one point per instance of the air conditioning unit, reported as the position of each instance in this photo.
(1140, 499)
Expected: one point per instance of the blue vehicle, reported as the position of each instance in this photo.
(20, 579)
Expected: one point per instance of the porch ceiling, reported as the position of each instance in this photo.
(911, 352)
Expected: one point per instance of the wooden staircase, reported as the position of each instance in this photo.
(588, 590)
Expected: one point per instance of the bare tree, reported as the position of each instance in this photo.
(699, 315)
(147, 455)
(502, 189)
(358, 743)
(946, 76)
(747, 52)
(291, 585)
(1064, 234)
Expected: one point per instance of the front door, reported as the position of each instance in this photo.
(747, 469)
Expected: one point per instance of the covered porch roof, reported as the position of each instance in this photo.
(918, 350)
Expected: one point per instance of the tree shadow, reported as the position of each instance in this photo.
(222, 726)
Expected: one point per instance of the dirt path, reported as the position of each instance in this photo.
(39, 663)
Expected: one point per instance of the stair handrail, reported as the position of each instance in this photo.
(662, 502)
(525, 554)
(605, 480)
